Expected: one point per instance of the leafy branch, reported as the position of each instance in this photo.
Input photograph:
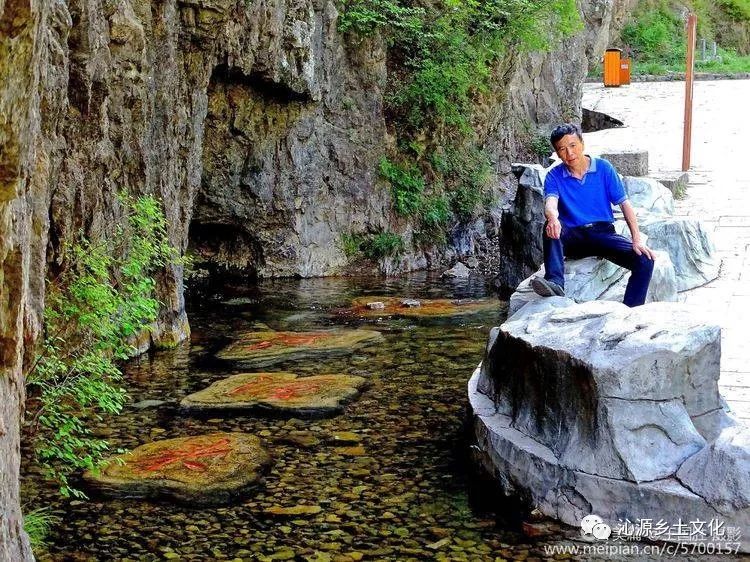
(94, 309)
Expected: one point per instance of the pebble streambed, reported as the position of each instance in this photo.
(387, 479)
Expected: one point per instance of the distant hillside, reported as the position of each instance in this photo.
(654, 34)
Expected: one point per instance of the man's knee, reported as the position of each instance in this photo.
(644, 264)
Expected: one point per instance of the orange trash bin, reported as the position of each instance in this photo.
(624, 72)
(612, 67)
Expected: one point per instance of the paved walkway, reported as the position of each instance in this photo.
(719, 192)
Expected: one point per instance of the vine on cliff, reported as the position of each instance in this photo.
(442, 57)
(94, 310)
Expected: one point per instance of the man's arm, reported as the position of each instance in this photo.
(635, 233)
(553, 228)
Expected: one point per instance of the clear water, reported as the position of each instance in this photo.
(406, 498)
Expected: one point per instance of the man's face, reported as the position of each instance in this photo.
(570, 150)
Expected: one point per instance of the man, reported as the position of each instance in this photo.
(579, 194)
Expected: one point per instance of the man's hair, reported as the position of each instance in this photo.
(563, 130)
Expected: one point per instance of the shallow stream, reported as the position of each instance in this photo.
(400, 493)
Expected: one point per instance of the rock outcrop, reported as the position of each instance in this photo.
(598, 408)
(22, 243)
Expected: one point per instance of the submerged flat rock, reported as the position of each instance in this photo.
(281, 392)
(262, 348)
(400, 306)
(211, 469)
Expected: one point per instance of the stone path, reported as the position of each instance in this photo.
(718, 194)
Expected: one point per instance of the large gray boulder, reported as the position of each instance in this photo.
(599, 408)
(599, 279)
(721, 472)
(649, 195)
(689, 246)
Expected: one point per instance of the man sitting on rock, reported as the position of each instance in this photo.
(579, 194)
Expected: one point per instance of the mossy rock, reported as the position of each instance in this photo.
(212, 469)
(262, 348)
(400, 306)
(319, 395)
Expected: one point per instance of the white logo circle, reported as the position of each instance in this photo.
(601, 531)
(588, 522)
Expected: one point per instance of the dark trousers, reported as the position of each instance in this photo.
(599, 240)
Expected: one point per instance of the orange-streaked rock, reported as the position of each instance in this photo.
(401, 306)
(282, 392)
(210, 469)
(263, 348)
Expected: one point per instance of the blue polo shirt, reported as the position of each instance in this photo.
(589, 199)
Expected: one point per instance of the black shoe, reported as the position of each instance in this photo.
(545, 288)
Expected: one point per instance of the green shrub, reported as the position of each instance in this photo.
(94, 309)
(656, 36)
(442, 57)
(435, 212)
(383, 245)
(540, 145)
(738, 10)
(365, 17)
(351, 244)
(407, 185)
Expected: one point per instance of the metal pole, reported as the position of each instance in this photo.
(689, 65)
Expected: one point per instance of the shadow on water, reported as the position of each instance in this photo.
(406, 492)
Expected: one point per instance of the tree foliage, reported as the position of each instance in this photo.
(94, 309)
(442, 59)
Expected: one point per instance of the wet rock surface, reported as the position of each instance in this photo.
(316, 395)
(263, 348)
(395, 306)
(211, 469)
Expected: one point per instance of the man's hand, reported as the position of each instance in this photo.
(640, 248)
(553, 228)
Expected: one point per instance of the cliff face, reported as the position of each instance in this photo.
(289, 159)
(19, 110)
(254, 122)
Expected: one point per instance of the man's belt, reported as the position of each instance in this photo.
(593, 224)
